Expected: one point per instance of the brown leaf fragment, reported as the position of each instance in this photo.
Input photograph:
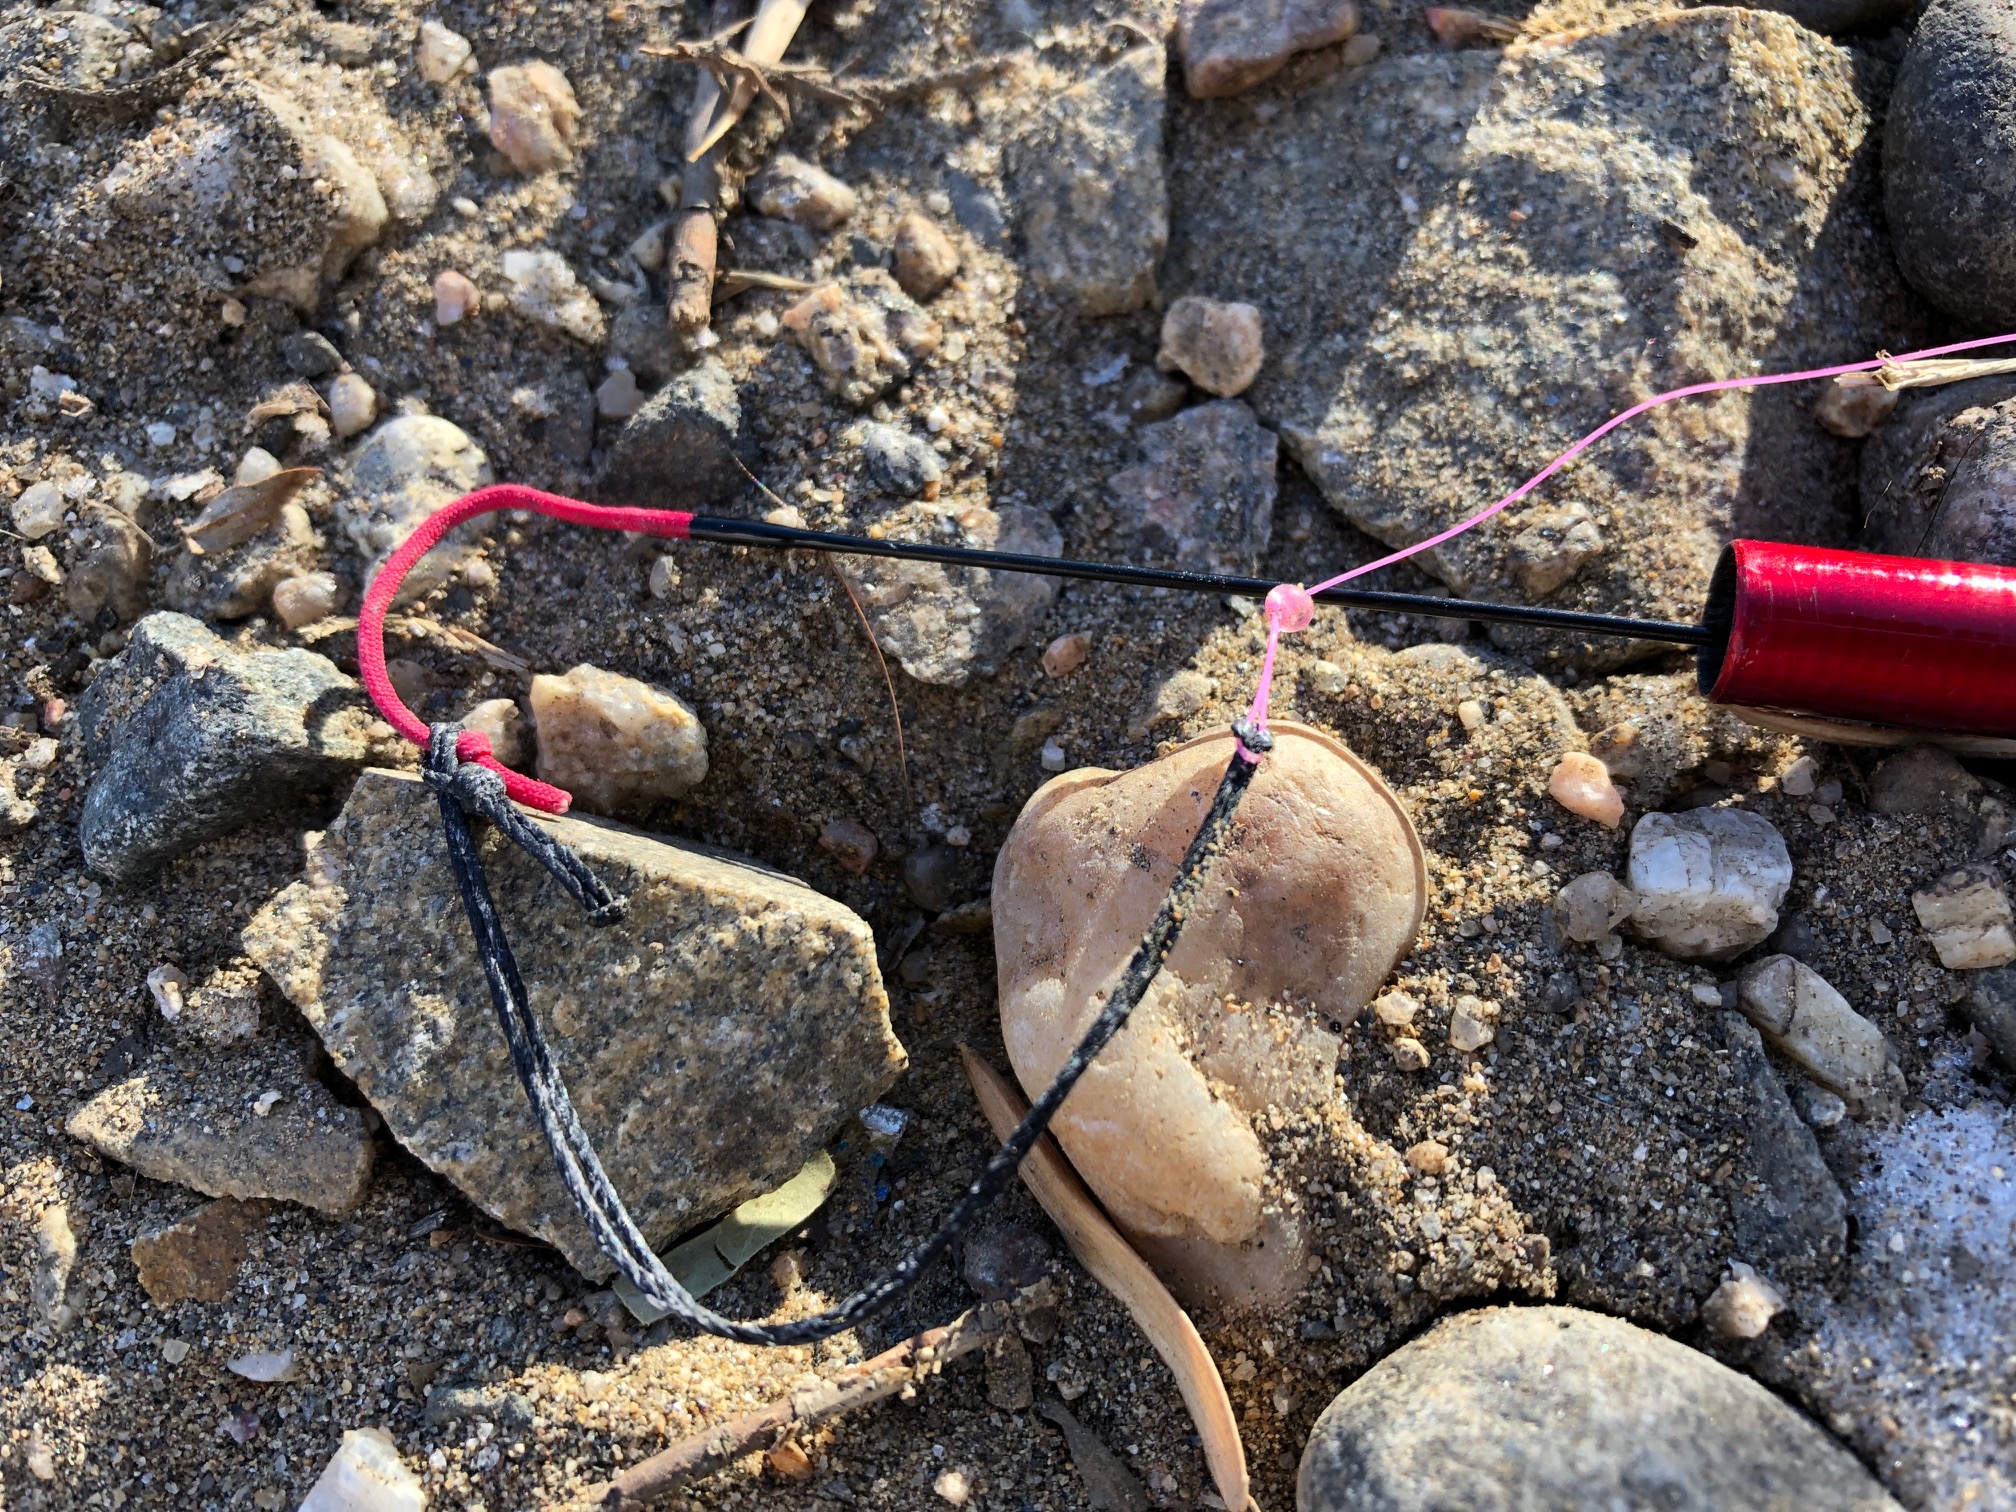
(196, 1260)
(1109, 1485)
(240, 513)
(289, 399)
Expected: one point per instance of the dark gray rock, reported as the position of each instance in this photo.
(190, 739)
(1921, 780)
(898, 461)
(697, 1092)
(1088, 183)
(1405, 370)
(1939, 480)
(1949, 160)
(680, 450)
(310, 354)
(939, 877)
(453, 1404)
(1203, 498)
(641, 337)
(1991, 1004)
(1786, 1207)
(1508, 1409)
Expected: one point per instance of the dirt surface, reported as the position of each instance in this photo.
(1605, 1113)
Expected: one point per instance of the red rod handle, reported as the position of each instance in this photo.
(1852, 635)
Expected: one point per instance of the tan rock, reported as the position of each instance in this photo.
(1471, 1025)
(1592, 905)
(1217, 344)
(803, 193)
(1428, 1158)
(1743, 1306)
(353, 404)
(614, 742)
(303, 600)
(441, 53)
(925, 257)
(1854, 409)
(454, 297)
(533, 115)
(1066, 654)
(504, 723)
(197, 1258)
(1581, 784)
(1968, 917)
(1799, 1011)
(1321, 892)
(1231, 45)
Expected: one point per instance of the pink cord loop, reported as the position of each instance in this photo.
(472, 745)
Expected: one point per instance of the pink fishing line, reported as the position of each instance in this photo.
(1257, 711)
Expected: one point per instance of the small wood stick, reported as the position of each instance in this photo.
(887, 1374)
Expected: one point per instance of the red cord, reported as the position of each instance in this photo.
(670, 523)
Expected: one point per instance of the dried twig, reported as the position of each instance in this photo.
(774, 81)
(742, 280)
(892, 1372)
(1927, 372)
(1102, 1250)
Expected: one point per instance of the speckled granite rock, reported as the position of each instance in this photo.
(1564, 228)
(1089, 183)
(712, 1042)
(399, 475)
(1203, 498)
(191, 738)
(614, 742)
(195, 1121)
(949, 624)
(1556, 1407)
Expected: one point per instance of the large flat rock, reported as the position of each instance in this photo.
(712, 1041)
(1464, 262)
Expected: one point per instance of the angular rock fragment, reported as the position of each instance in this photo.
(803, 193)
(1231, 45)
(400, 474)
(191, 738)
(1968, 917)
(1816, 1029)
(864, 336)
(533, 115)
(614, 742)
(1552, 548)
(1488, 176)
(948, 624)
(1783, 1200)
(1743, 1306)
(903, 464)
(1217, 344)
(924, 255)
(240, 579)
(55, 1259)
(204, 1131)
(1991, 1004)
(108, 569)
(1592, 905)
(712, 1041)
(366, 1474)
(1311, 904)
(196, 1259)
(1556, 1407)
(545, 291)
(1204, 498)
(1088, 178)
(1709, 881)
(686, 448)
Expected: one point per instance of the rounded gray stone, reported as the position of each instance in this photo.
(1949, 160)
(1551, 1409)
(680, 451)
(1939, 480)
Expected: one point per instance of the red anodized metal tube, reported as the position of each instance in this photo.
(1851, 635)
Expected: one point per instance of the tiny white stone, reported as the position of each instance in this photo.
(39, 510)
(1799, 777)
(160, 433)
(267, 1368)
(951, 1485)
(352, 404)
(175, 1351)
(1707, 994)
(1053, 757)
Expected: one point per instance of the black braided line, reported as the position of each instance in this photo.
(588, 1186)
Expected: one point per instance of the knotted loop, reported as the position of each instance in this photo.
(451, 769)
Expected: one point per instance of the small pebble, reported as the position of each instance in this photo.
(619, 398)
(1428, 1158)
(175, 1351)
(1968, 916)
(1053, 757)
(1409, 1054)
(1743, 1306)
(39, 511)
(664, 577)
(352, 405)
(1800, 777)
(951, 1486)
(925, 257)
(167, 986)
(533, 114)
(1469, 1027)
(1707, 994)
(1066, 654)
(365, 1474)
(256, 466)
(1217, 345)
(1395, 1010)
(790, 1462)
(1360, 50)
(303, 600)
(853, 845)
(441, 53)
(1592, 905)
(454, 297)
(160, 433)
(1471, 714)
(1581, 784)
(803, 193)
(267, 1368)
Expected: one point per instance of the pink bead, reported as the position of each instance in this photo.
(1289, 608)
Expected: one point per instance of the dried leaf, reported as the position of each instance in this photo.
(291, 399)
(710, 1258)
(240, 513)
